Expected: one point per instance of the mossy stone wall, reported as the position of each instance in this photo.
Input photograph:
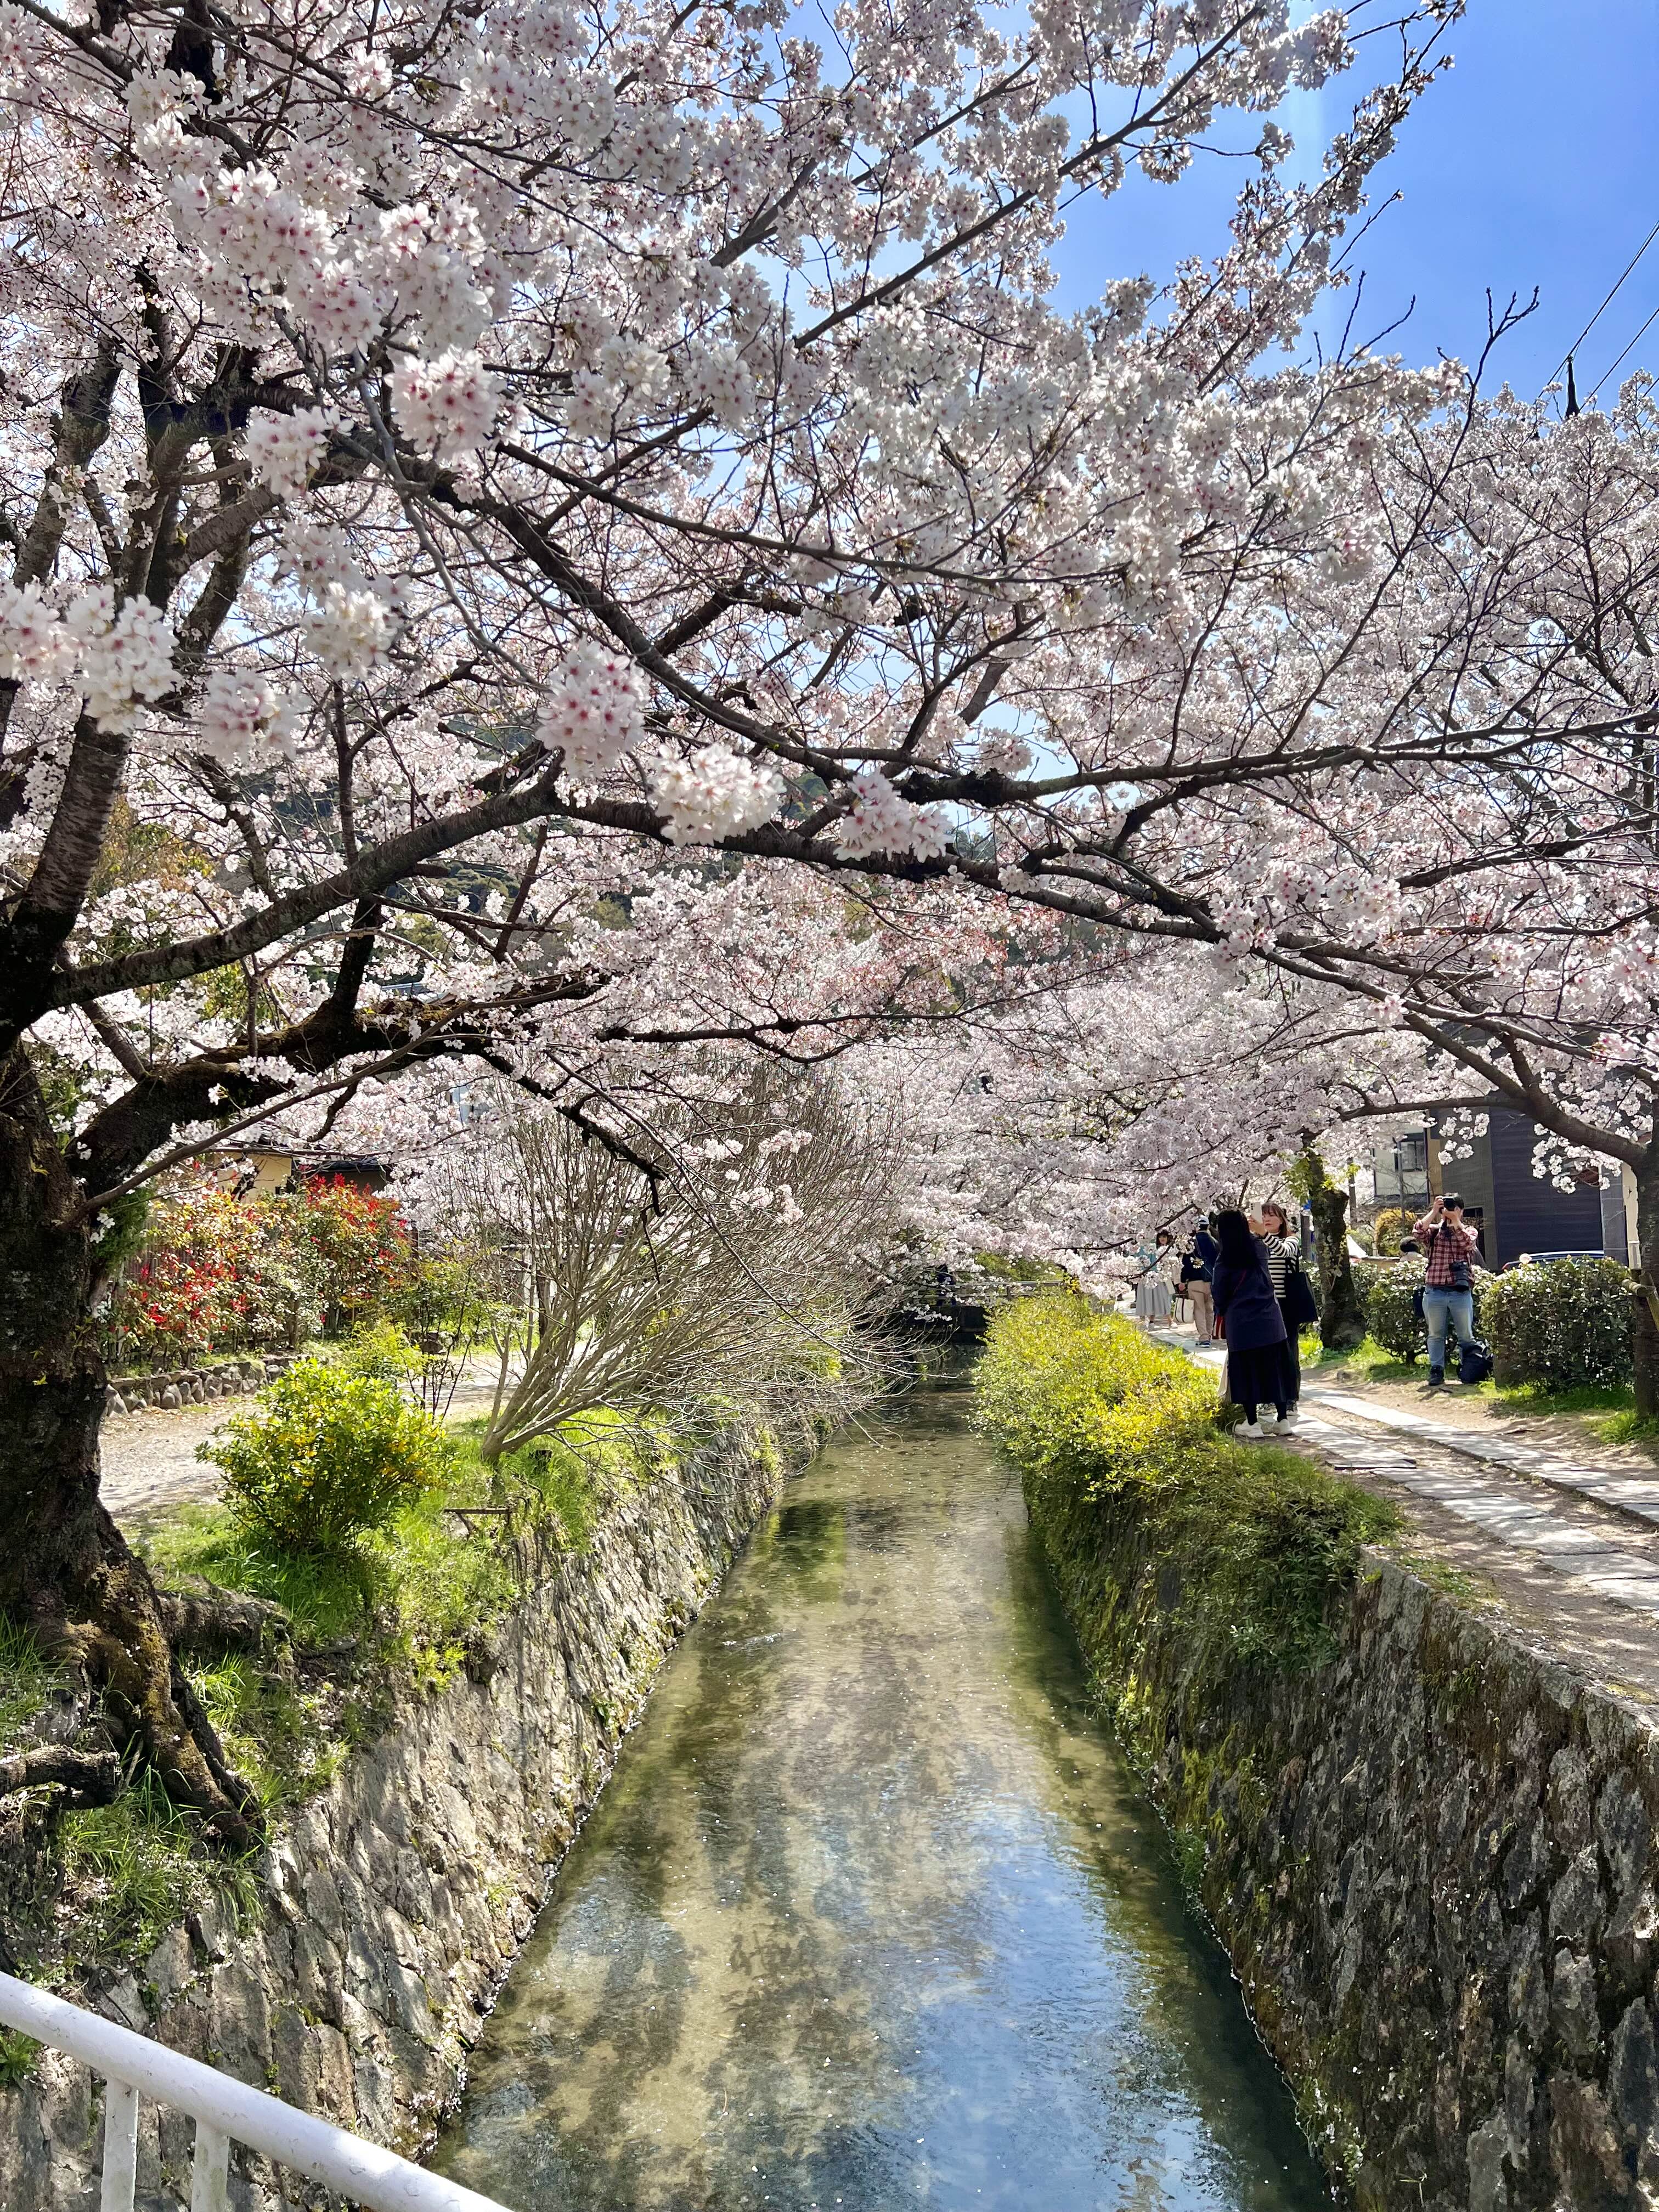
(1432, 1858)
(391, 1904)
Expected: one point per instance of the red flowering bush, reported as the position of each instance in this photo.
(195, 1285)
(354, 1251)
(216, 1274)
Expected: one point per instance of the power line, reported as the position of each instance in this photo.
(1630, 348)
(1602, 309)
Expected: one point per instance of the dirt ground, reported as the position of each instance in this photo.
(149, 1456)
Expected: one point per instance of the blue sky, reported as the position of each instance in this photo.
(1530, 164)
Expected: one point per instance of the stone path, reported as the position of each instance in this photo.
(1570, 1549)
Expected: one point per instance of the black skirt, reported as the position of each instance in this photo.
(1262, 1377)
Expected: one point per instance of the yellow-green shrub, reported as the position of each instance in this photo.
(327, 1455)
(1068, 1392)
(1125, 1467)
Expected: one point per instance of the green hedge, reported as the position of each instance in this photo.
(1563, 1323)
(1388, 1294)
(1106, 1427)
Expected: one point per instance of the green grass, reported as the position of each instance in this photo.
(1441, 1575)
(447, 1562)
(1370, 1362)
(19, 2055)
(1610, 1408)
(1624, 1426)
(134, 1869)
(26, 1680)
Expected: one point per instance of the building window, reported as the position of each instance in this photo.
(1402, 1171)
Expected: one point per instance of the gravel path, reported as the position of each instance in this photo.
(149, 1458)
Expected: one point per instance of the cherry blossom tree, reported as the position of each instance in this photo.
(1449, 815)
(1071, 1127)
(458, 462)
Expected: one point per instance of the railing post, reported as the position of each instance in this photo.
(120, 2147)
(209, 2174)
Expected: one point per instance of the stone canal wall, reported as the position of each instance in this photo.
(391, 1904)
(1432, 1858)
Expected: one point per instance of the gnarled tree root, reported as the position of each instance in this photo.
(214, 1619)
(110, 1622)
(91, 1777)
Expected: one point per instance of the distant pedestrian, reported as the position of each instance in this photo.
(1154, 1295)
(1257, 1370)
(1196, 1267)
(1284, 1252)
(1450, 1248)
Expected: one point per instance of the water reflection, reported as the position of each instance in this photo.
(870, 1915)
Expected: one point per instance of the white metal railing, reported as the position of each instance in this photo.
(225, 2111)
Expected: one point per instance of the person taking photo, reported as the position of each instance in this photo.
(1449, 1248)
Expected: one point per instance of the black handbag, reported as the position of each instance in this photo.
(1475, 1361)
(1301, 1307)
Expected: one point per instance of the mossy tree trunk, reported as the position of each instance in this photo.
(1341, 1317)
(66, 1571)
(1644, 1327)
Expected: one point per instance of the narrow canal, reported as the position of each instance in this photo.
(871, 1914)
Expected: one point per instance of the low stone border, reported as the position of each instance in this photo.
(195, 1386)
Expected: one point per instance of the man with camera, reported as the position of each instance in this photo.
(1449, 1248)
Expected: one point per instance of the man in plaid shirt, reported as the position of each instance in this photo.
(1450, 1248)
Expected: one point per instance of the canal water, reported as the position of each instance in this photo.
(872, 1915)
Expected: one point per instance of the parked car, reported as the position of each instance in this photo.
(1539, 1258)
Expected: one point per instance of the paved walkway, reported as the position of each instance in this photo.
(150, 1462)
(1572, 1548)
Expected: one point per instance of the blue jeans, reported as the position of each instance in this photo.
(1440, 1307)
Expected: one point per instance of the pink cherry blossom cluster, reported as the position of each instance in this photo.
(713, 794)
(283, 450)
(448, 405)
(117, 656)
(240, 721)
(593, 713)
(881, 821)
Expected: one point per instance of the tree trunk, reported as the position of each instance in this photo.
(1341, 1318)
(66, 1572)
(1645, 1329)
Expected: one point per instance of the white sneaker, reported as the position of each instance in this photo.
(1250, 1430)
(1291, 1419)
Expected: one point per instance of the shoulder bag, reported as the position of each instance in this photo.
(1301, 1307)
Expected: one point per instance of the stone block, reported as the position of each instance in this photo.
(212, 1930)
(240, 2013)
(1526, 1864)
(1628, 1944)
(1575, 2015)
(1624, 1832)
(1577, 1907)
(1489, 2152)
(1584, 2149)
(1633, 2077)
(1529, 1993)
(1568, 1801)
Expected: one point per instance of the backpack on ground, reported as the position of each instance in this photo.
(1474, 1363)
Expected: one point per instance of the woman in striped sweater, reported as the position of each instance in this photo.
(1283, 1250)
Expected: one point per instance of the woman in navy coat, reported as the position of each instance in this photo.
(1258, 1368)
